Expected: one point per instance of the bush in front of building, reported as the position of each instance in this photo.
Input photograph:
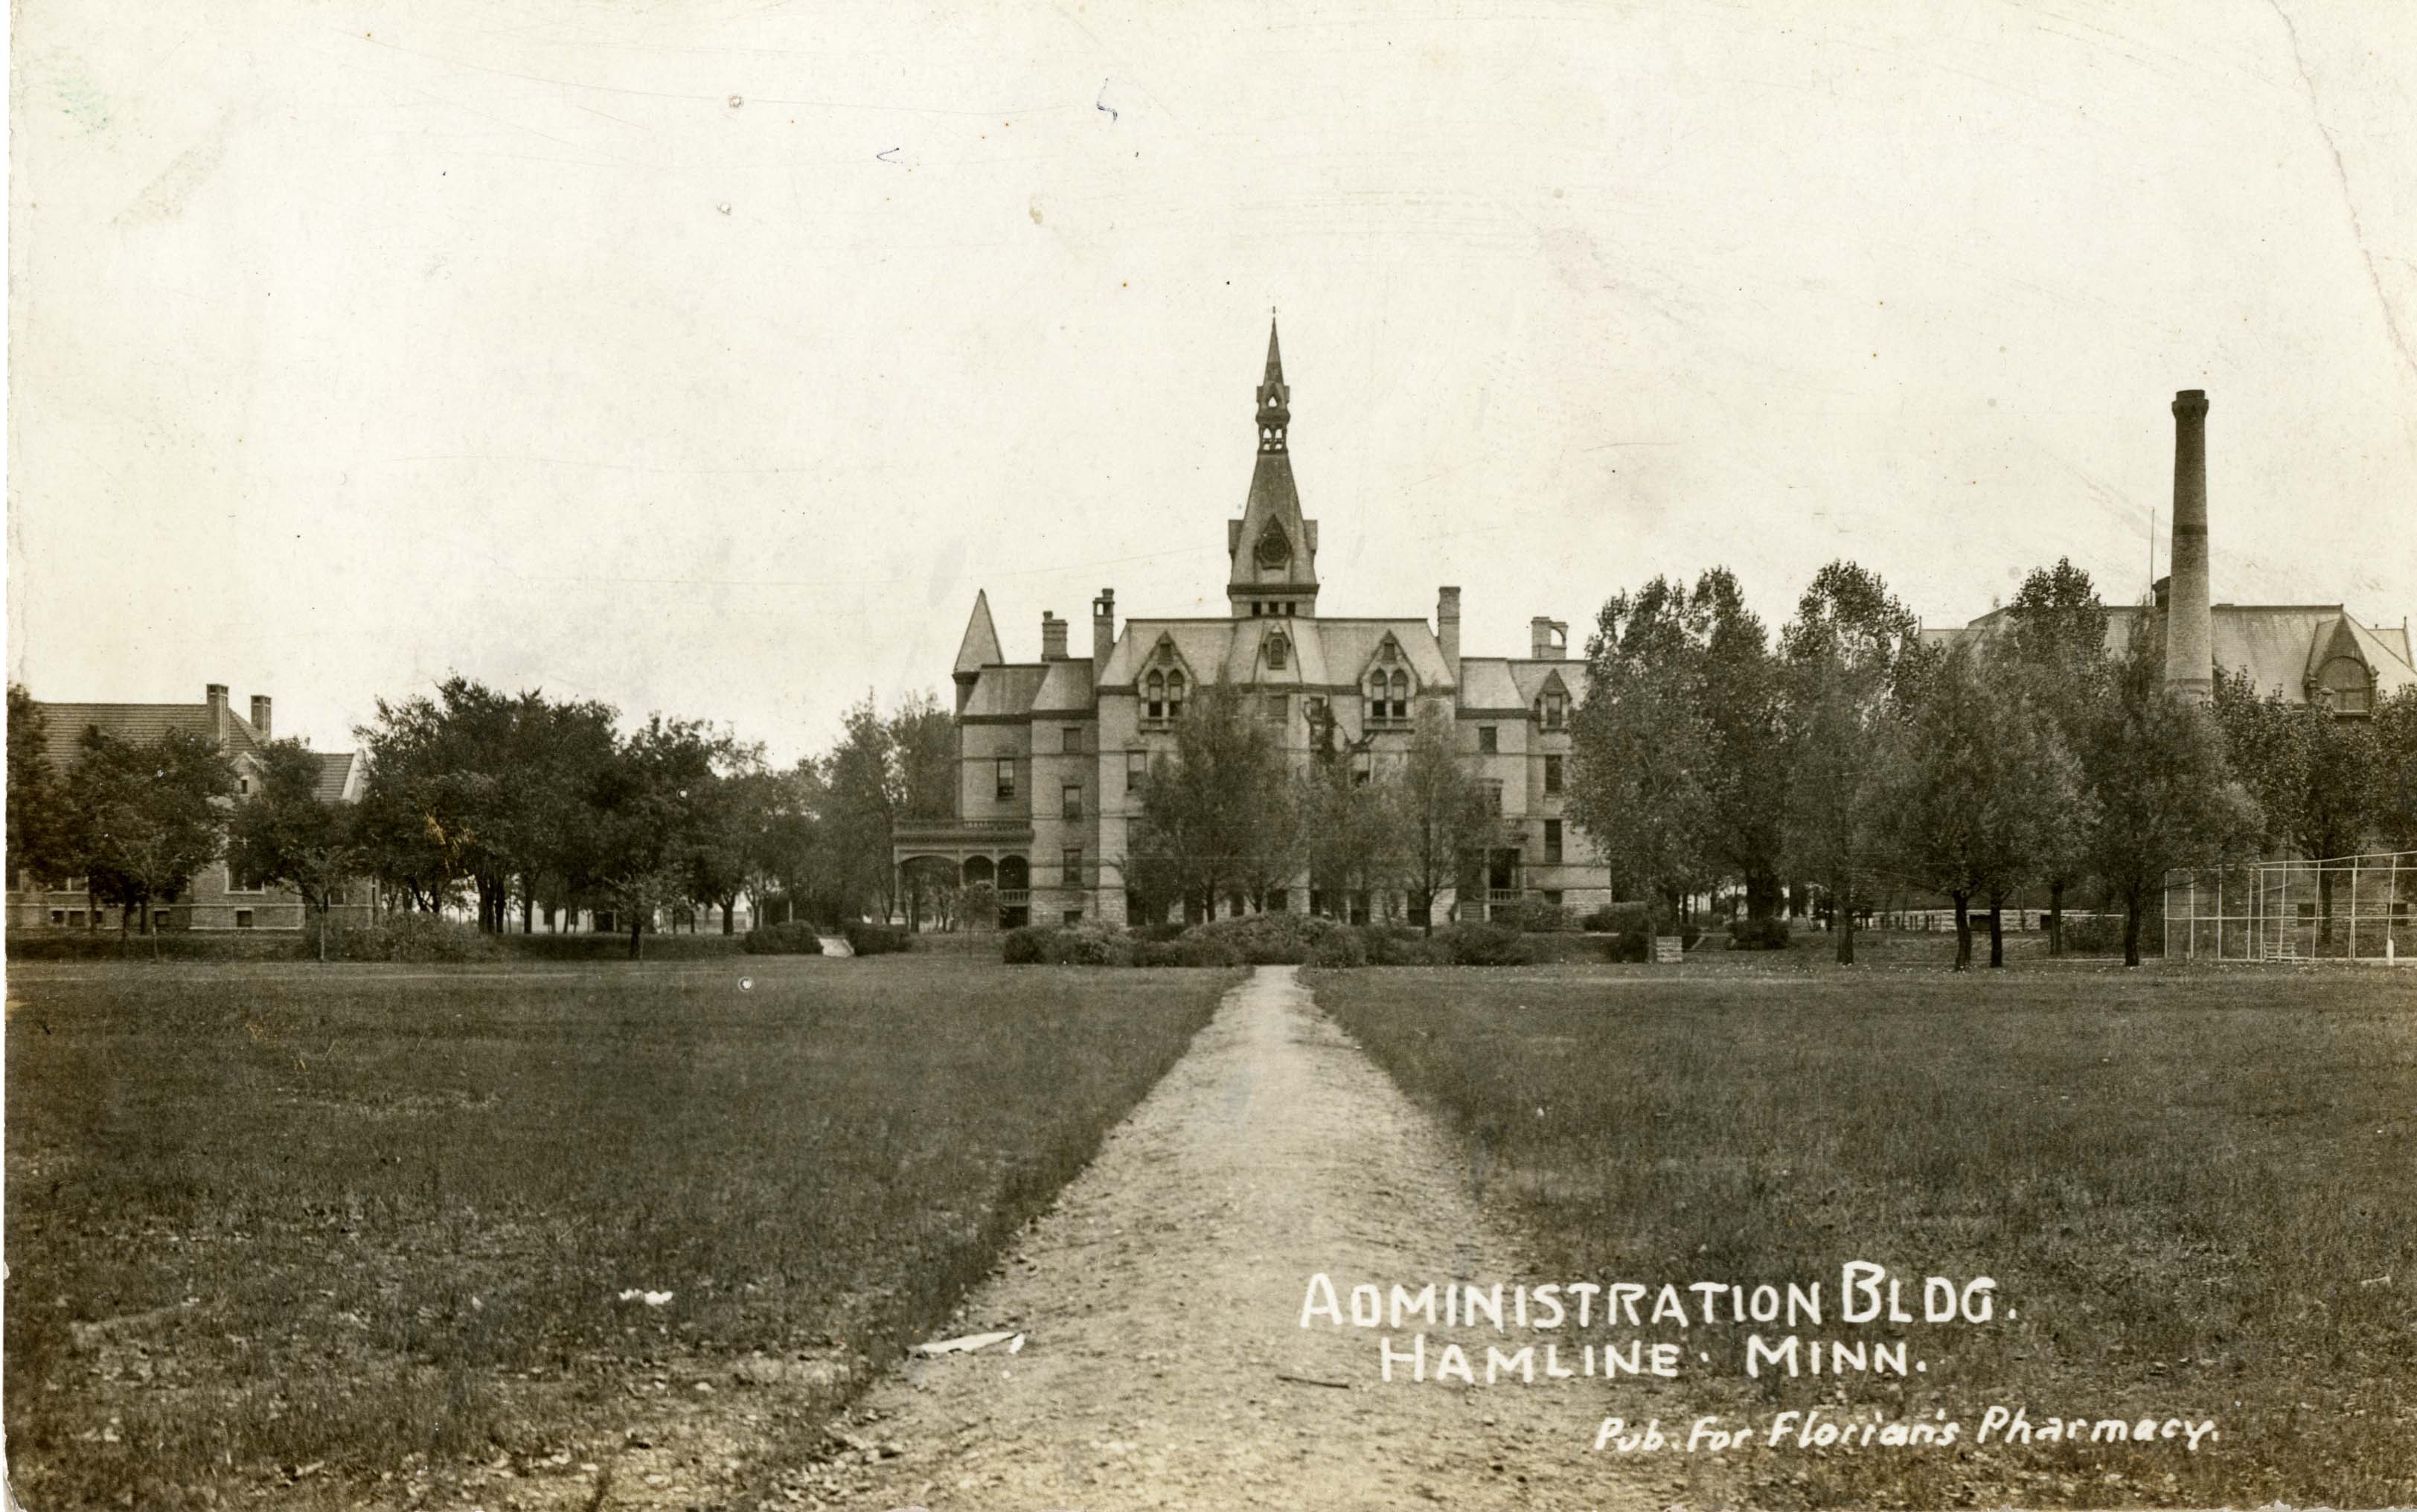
(1534, 915)
(1272, 939)
(1078, 944)
(1484, 945)
(1187, 952)
(1636, 925)
(1343, 948)
(877, 939)
(1395, 946)
(1758, 934)
(791, 939)
(414, 937)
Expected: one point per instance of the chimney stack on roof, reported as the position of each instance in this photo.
(1448, 628)
(1104, 628)
(215, 695)
(1052, 637)
(1548, 640)
(260, 715)
(2190, 650)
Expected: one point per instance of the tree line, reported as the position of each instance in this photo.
(496, 804)
(1848, 757)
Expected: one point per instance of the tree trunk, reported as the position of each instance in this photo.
(1842, 921)
(1963, 931)
(2056, 918)
(2130, 929)
(528, 909)
(322, 933)
(1997, 932)
(637, 926)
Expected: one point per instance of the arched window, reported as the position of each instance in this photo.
(1174, 694)
(2346, 686)
(1401, 695)
(1157, 701)
(1277, 653)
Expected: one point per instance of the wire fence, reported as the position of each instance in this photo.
(2338, 908)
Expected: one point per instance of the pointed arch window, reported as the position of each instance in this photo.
(1401, 690)
(1279, 653)
(1174, 695)
(1155, 701)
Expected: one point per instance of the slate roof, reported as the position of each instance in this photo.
(2280, 645)
(340, 772)
(140, 722)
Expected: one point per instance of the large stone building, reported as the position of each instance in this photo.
(1051, 753)
(2308, 653)
(217, 899)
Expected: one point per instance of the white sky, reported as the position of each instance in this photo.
(356, 343)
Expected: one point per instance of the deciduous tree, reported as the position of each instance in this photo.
(285, 834)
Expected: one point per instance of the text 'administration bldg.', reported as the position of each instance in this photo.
(1051, 754)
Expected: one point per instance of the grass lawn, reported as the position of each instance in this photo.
(377, 1219)
(2195, 1189)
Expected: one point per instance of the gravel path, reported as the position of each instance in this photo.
(1160, 1300)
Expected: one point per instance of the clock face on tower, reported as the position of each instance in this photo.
(1273, 549)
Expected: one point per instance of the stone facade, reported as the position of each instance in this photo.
(1050, 752)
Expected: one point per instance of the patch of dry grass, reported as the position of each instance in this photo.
(377, 1219)
(2196, 1189)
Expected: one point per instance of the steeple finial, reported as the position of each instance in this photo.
(1275, 394)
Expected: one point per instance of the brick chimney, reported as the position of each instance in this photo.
(2190, 649)
(1104, 630)
(1052, 637)
(260, 715)
(1448, 628)
(1548, 640)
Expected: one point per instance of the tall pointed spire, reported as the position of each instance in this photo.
(1275, 396)
(1274, 549)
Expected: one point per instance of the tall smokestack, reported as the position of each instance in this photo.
(1448, 628)
(2190, 650)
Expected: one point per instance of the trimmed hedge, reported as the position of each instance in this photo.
(415, 937)
(1271, 940)
(877, 939)
(1758, 934)
(791, 939)
(1533, 916)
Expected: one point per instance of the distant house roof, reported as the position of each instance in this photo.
(339, 777)
(341, 773)
(140, 722)
(2281, 646)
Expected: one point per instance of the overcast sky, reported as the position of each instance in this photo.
(706, 358)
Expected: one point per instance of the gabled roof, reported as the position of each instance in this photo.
(1008, 690)
(1065, 688)
(339, 777)
(979, 647)
(2280, 646)
(1486, 682)
(1350, 645)
(140, 722)
(1534, 678)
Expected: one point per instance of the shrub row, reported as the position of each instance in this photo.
(795, 938)
(1267, 939)
(877, 939)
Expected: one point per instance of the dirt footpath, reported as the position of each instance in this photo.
(1165, 1366)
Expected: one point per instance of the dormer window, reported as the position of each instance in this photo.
(1174, 695)
(1552, 710)
(1278, 653)
(2346, 686)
